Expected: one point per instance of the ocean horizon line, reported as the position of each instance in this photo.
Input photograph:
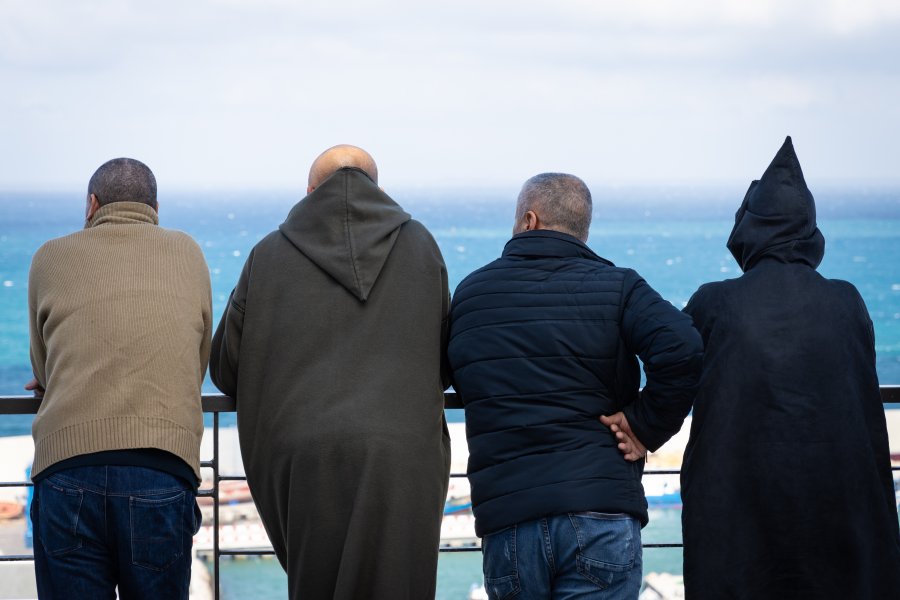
(632, 202)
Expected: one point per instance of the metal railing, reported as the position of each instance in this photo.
(217, 404)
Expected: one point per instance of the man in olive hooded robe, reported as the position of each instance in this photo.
(331, 345)
(786, 479)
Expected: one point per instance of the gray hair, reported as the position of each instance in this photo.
(562, 201)
(123, 180)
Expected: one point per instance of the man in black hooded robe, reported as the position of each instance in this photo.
(786, 479)
(331, 345)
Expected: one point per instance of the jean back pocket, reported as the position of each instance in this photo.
(58, 510)
(607, 545)
(158, 536)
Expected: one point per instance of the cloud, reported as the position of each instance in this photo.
(247, 93)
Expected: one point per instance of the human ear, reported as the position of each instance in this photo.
(93, 206)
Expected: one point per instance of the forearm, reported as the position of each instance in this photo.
(672, 353)
(664, 403)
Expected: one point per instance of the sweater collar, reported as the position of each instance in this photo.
(546, 243)
(124, 213)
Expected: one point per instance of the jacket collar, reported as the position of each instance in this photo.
(546, 243)
(124, 213)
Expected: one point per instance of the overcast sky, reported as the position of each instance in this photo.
(219, 94)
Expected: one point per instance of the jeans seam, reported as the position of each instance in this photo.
(515, 541)
(151, 492)
(106, 503)
(119, 494)
(548, 545)
(61, 477)
(106, 535)
(578, 536)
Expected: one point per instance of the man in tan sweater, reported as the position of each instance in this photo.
(120, 335)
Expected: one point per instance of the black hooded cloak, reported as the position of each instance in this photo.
(786, 478)
(332, 346)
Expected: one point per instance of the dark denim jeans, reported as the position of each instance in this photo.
(576, 555)
(96, 528)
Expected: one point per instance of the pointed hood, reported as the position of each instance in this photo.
(347, 226)
(777, 218)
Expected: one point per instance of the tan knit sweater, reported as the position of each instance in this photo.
(120, 330)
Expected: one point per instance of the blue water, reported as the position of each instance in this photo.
(675, 237)
(457, 572)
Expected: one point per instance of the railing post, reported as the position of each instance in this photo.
(215, 467)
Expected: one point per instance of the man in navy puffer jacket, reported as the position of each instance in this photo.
(543, 342)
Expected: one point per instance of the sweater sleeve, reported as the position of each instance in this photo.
(226, 343)
(672, 352)
(38, 348)
(205, 297)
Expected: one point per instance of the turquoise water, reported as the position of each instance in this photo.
(457, 571)
(674, 237)
(264, 578)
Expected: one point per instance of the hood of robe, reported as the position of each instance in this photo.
(777, 218)
(347, 226)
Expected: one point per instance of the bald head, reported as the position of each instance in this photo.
(555, 201)
(339, 157)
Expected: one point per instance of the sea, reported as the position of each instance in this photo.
(674, 236)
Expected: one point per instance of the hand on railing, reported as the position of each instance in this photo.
(34, 386)
(630, 447)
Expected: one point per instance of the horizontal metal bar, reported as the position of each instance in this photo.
(19, 405)
(213, 403)
(246, 552)
(5, 484)
(442, 549)
(219, 403)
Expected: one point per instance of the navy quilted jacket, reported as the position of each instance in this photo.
(542, 342)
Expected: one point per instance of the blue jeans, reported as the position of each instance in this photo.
(99, 527)
(575, 555)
